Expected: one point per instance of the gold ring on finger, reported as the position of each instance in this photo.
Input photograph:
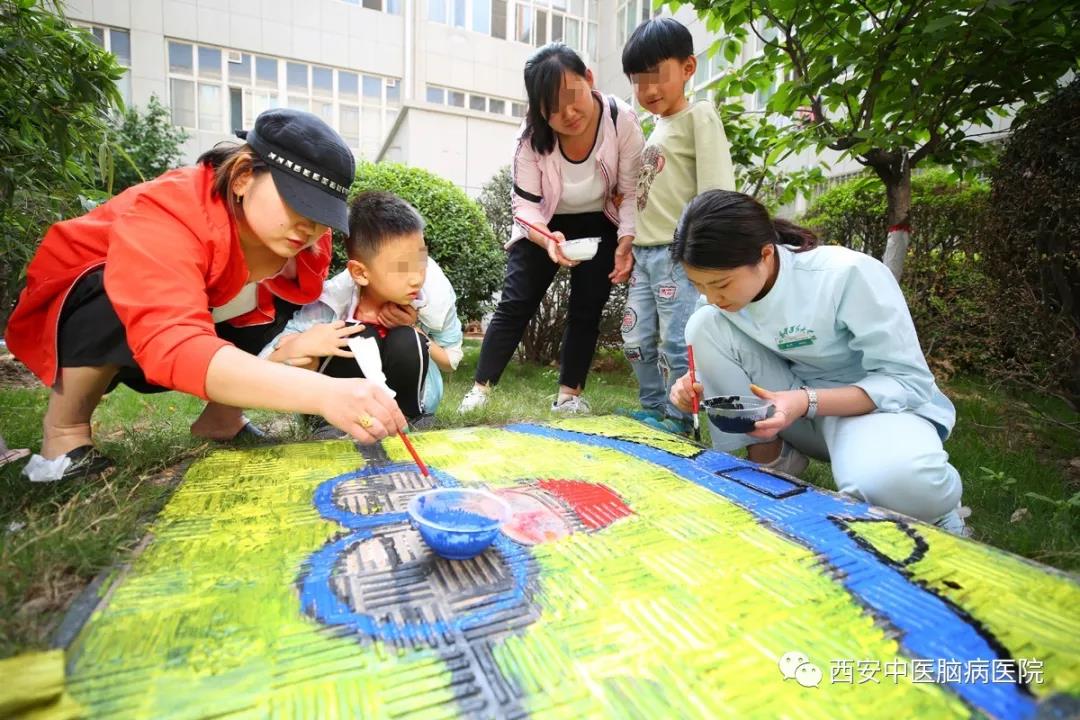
(365, 421)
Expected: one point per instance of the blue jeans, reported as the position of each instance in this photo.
(659, 302)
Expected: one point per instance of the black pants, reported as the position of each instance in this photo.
(529, 272)
(404, 353)
(91, 334)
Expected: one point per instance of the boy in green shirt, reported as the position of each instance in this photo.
(686, 154)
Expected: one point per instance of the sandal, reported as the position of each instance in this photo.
(83, 462)
(249, 434)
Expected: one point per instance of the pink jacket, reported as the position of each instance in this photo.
(538, 178)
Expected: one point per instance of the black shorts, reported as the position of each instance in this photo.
(91, 334)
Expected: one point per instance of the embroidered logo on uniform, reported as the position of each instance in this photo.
(667, 291)
(629, 320)
(633, 354)
(794, 336)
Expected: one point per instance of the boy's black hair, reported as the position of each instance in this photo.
(376, 218)
(655, 41)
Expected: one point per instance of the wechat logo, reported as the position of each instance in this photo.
(796, 665)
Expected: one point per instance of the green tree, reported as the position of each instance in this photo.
(56, 89)
(147, 142)
(890, 83)
(457, 235)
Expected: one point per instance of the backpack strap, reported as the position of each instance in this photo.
(614, 112)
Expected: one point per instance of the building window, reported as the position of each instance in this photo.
(392, 7)
(499, 19)
(118, 42)
(474, 101)
(215, 89)
(628, 15)
(438, 11)
(523, 26)
(482, 16)
(533, 22)
(708, 70)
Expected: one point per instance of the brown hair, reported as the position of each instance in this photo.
(230, 160)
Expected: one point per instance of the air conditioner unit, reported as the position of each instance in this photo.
(391, 82)
(235, 56)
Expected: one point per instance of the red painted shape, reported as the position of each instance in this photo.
(902, 227)
(596, 505)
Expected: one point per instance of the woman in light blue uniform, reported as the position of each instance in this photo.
(825, 333)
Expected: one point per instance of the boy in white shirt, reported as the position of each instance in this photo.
(392, 292)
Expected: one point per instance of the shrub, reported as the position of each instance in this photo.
(1032, 225)
(953, 305)
(495, 200)
(56, 90)
(458, 236)
(945, 213)
(543, 336)
(946, 281)
(147, 144)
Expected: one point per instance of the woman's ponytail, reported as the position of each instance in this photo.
(788, 233)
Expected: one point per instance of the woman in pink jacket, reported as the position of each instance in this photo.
(578, 150)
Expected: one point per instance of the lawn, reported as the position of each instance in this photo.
(1020, 460)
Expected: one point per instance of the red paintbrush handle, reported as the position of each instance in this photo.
(535, 229)
(412, 451)
(693, 377)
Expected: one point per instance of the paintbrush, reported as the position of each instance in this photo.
(693, 393)
(416, 458)
(535, 229)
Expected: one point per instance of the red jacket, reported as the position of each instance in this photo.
(171, 252)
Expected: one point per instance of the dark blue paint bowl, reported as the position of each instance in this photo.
(458, 523)
(736, 413)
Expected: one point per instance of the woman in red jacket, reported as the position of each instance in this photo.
(165, 286)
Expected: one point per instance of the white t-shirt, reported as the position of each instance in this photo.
(582, 183)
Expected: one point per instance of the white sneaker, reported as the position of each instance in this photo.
(953, 521)
(790, 462)
(573, 405)
(473, 399)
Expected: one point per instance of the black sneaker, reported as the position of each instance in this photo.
(424, 422)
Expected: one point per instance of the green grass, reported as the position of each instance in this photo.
(55, 538)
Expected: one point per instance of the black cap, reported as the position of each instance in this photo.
(311, 165)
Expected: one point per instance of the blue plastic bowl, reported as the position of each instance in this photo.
(458, 523)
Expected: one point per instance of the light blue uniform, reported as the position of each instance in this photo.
(437, 316)
(836, 317)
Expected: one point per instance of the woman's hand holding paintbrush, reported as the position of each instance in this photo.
(684, 392)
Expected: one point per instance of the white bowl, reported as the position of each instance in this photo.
(580, 249)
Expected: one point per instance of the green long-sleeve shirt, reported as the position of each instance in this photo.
(686, 154)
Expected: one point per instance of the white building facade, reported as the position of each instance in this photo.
(435, 84)
(430, 83)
